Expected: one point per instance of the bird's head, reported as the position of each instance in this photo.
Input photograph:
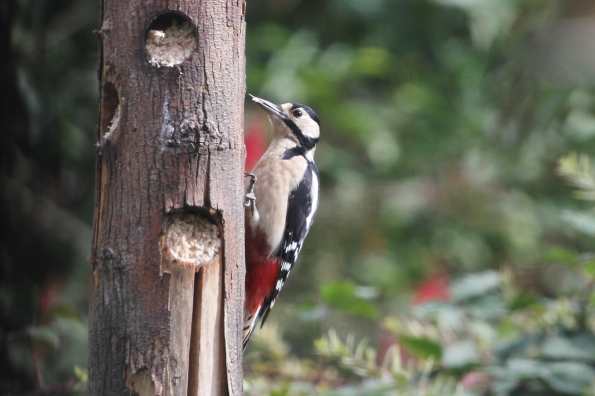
(293, 120)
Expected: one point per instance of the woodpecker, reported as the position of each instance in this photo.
(281, 204)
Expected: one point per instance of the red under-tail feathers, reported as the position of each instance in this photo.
(262, 271)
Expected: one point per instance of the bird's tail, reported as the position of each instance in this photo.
(250, 321)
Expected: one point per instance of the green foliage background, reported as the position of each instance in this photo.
(444, 123)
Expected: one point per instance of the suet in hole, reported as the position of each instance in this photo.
(192, 238)
(170, 39)
(110, 110)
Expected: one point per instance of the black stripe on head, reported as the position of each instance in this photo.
(306, 142)
(308, 110)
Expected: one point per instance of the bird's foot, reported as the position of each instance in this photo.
(250, 198)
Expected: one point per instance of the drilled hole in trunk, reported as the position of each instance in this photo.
(170, 39)
(110, 110)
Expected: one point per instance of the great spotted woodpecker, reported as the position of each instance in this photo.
(281, 204)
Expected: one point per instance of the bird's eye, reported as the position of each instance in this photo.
(297, 113)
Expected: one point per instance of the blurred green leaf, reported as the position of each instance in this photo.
(430, 310)
(562, 255)
(518, 347)
(422, 347)
(62, 311)
(487, 306)
(584, 222)
(460, 354)
(568, 377)
(581, 348)
(474, 285)
(81, 374)
(43, 336)
(577, 168)
(371, 61)
(589, 266)
(523, 301)
(310, 312)
(342, 295)
(525, 368)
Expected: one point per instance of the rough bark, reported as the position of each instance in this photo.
(170, 142)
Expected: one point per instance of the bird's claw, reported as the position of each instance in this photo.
(250, 198)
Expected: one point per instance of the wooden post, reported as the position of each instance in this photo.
(168, 246)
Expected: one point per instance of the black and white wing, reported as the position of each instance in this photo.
(301, 210)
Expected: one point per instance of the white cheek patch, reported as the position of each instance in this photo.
(310, 128)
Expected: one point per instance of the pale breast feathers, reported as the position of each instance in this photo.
(275, 180)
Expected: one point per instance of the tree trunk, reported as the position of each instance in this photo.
(168, 246)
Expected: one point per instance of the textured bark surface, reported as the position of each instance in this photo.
(176, 147)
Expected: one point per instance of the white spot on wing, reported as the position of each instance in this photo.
(279, 284)
(292, 246)
(314, 195)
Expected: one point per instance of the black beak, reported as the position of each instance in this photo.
(271, 108)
